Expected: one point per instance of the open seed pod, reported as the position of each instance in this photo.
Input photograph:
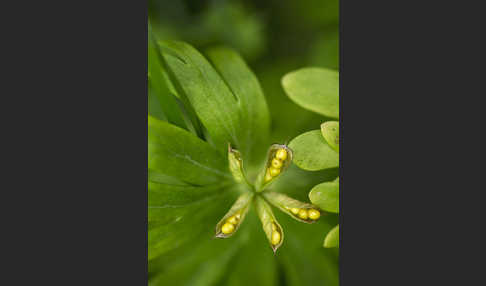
(298, 210)
(278, 160)
(271, 227)
(230, 223)
(236, 165)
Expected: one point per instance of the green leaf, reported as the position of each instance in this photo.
(254, 116)
(237, 212)
(269, 222)
(332, 238)
(178, 153)
(208, 94)
(170, 227)
(312, 153)
(290, 206)
(159, 86)
(330, 131)
(315, 89)
(275, 163)
(326, 196)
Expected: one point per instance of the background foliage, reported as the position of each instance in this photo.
(274, 38)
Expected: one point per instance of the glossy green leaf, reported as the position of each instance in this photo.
(316, 89)
(326, 196)
(330, 131)
(312, 152)
(238, 212)
(252, 107)
(180, 154)
(288, 205)
(332, 238)
(269, 222)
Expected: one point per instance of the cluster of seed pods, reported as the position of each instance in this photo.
(277, 163)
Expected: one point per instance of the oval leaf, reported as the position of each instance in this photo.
(315, 89)
(326, 196)
(296, 209)
(311, 152)
(332, 238)
(330, 131)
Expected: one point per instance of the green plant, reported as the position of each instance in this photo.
(197, 105)
(317, 89)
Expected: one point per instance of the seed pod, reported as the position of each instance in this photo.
(298, 210)
(271, 227)
(230, 223)
(236, 165)
(278, 160)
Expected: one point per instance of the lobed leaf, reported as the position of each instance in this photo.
(212, 100)
(159, 86)
(312, 152)
(252, 107)
(315, 89)
(326, 196)
(180, 154)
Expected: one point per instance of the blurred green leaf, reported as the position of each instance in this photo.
(312, 153)
(316, 89)
(330, 131)
(332, 238)
(326, 196)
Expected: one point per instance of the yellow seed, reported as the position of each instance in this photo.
(274, 227)
(314, 214)
(232, 220)
(274, 172)
(238, 216)
(227, 228)
(294, 210)
(275, 237)
(268, 177)
(281, 154)
(276, 163)
(303, 214)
